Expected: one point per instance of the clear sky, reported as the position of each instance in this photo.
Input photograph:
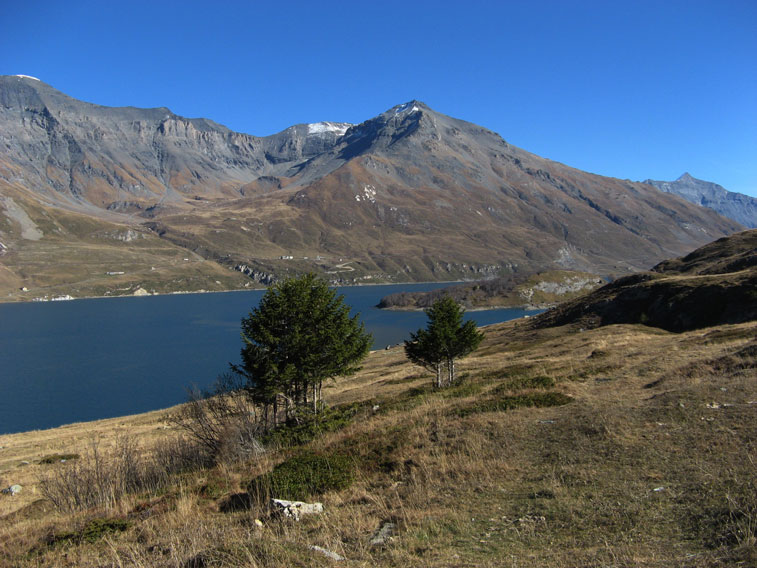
(630, 89)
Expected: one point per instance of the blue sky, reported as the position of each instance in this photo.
(635, 89)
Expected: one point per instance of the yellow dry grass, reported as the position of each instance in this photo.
(652, 464)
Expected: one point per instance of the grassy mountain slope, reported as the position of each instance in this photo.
(619, 445)
(54, 252)
(648, 465)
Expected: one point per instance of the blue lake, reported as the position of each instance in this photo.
(72, 361)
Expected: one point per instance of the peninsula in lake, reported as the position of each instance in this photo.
(541, 290)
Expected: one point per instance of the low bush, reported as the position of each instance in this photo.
(92, 531)
(215, 486)
(309, 426)
(525, 382)
(372, 453)
(56, 458)
(303, 476)
(223, 422)
(98, 479)
(537, 400)
(461, 391)
(178, 454)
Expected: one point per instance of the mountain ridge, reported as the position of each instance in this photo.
(737, 206)
(408, 195)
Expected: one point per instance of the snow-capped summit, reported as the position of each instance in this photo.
(406, 107)
(27, 77)
(339, 128)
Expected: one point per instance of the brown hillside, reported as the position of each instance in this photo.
(713, 285)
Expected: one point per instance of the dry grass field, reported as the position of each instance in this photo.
(618, 446)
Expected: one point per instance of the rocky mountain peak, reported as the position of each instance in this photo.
(408, 107)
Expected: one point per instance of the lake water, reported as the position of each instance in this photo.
(73, 361)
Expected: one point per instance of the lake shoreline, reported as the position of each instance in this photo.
(526, 307)
(68, 298)
(155, 415)
(126, 357)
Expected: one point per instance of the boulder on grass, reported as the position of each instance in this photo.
(295, 509)
(326, 552)
(383, 535)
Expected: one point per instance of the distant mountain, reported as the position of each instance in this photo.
(737, 206)
(97, 200)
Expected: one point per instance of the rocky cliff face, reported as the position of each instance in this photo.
(411, 194)
(81, 153)
(737, 206)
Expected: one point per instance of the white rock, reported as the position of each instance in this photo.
(327, 553)
(383, 534)
(295, 509)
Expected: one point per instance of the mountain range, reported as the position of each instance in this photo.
(107, 201)
(737, 206)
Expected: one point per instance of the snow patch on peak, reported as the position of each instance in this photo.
(407, 107)
(339, 128)
(27, 77)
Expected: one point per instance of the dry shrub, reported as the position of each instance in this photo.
(100, 480)
(223, 423)
(178, 454)
(90, 482)
(92, 531)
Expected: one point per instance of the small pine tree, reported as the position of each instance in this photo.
(445, 339)
(300, 334)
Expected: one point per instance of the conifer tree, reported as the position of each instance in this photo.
(300, 334)
(445, 339)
